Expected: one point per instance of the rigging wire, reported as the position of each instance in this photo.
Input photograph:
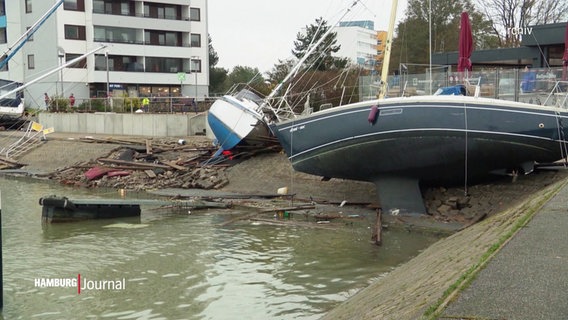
(560, 127)
(466, 151)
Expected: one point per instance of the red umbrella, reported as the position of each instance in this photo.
(465, 47)
(565, 56)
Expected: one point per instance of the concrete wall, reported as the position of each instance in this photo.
(135, 124)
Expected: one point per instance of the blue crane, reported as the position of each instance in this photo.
(12, 50)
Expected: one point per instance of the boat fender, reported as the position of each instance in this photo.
(373, 114)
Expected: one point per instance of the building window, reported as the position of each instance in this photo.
(3, 35)
(195, 40)
(162, 11)
(145, 91)
(195, 14)
(28, 6)
(75, 5)
(31, 61)
(81, 64)
(112, 34)
(31, 38)
(101, 62)
(121, 7)
(166, 65)
(195, 65)
(163, 38)
(75, 32)
(118, 63)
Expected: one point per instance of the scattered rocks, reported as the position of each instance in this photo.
(453, 204)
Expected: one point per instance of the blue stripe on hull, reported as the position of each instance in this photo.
(227, 138)
(426, 142)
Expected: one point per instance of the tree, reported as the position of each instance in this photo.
(217, 76)
(213, 56)
(217, 80)
(251, 77)
(280, 70)
(321, 58)
(510, 16)
(413, 31)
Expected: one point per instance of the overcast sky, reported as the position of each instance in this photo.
(256, 33)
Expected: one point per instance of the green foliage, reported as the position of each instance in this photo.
(321, 59)
(217, 76)
(507, 14)
(280, 70)
(412, 34)
(58, 104)
(94, 105)
(250, 76)
(213, 56)
(218, 80)
(325, 87)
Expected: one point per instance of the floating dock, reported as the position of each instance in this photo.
(62, 209)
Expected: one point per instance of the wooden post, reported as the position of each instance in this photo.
(377, 234)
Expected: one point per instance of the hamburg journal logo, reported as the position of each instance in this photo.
(81, 284)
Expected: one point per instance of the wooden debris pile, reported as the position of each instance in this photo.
(154, 164)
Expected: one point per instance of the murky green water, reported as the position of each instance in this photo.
(183, 266)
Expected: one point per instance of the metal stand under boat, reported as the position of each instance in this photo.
(399, 195)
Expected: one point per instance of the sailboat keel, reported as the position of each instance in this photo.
(400, 195)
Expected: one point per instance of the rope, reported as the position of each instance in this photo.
(292, 168)
(466, 152)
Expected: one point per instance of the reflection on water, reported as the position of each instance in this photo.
(183, 266)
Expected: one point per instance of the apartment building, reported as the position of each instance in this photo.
(153, 48)
(361, 43)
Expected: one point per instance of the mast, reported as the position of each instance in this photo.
(68, 63)
(27, 35)
(386, 61)
(308, 53)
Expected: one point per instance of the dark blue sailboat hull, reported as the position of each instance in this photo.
(435, 140)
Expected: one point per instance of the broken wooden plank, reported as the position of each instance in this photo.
(140, 164)
(295, 223)
(175, 166)
(150, 173)
(302, 207)
(245, 217)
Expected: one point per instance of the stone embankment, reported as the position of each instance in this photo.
(422, 287)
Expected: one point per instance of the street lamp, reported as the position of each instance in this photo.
(107, 82)
(61, 55)
(193, 68)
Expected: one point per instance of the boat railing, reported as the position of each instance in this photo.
(534, 85)
(558, 96)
